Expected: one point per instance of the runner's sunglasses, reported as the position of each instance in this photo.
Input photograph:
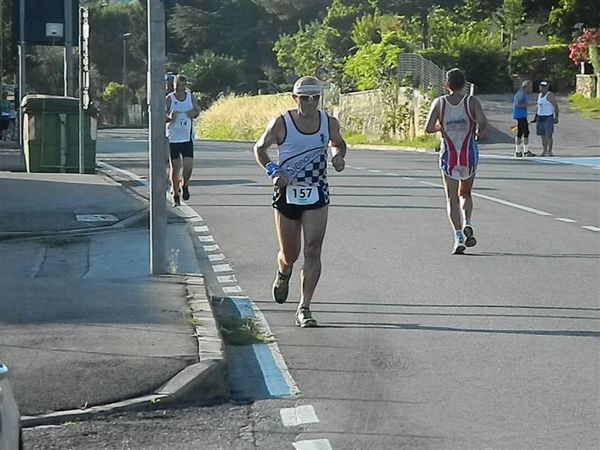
(312, 97)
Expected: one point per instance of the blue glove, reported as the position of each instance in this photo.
(272, 169)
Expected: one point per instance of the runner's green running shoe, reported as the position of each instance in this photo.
(281, 287)
(304, 318)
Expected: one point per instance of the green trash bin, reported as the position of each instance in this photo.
(51, 134)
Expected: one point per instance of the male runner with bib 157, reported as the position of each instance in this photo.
(301, 191)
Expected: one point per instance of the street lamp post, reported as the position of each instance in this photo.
(125, 37)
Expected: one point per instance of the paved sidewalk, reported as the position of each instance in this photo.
(81, 321)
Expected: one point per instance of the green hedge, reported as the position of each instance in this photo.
(545, 62)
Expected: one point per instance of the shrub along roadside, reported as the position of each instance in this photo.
(546, 62)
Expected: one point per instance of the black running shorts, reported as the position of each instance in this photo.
(184, 149)
(294, 212)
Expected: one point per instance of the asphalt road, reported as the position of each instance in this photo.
(417, 348)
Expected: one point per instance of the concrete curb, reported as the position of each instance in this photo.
(204, 380)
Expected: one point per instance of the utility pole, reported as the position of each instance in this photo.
(125, 37)
(22, 61)
(156, 136)
(69, 91)
(1, 44)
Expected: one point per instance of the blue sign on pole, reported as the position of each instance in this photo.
(45, 22)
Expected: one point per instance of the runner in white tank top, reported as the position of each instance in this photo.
(181, 112)
(301, 191)
(457, 116)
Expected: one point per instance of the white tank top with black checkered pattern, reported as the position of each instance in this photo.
(302, 156)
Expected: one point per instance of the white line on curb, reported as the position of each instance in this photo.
(315, 444)
(221, 268)
(232, 289)
(226, 279)
(210, 248)
(206, 239)
(124, 172)
(292, 417)
(216, 257)
(591, 228)
(201, 229)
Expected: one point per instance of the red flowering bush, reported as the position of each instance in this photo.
(579, 50)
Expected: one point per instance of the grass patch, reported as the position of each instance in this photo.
(425, 142)
(587, 107)
(244, 118)
(241, 118)
(244, 332)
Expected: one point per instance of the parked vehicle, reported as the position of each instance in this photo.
(10, 419)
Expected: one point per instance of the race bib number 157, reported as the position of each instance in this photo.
(302, 195)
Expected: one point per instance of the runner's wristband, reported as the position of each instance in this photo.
(272, 169)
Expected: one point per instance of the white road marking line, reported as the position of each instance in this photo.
(359, 168)
(315, 444)
(407, 178)
(563, 219)
(217, 257)
(232, 289)
(513, 205)
(188, 211)
(292, 417)
(226, 279)
(591, 228)
(375, 171)
(389, 174)
(201, 229)
(432, 184)
(210, 248)
(208, 238)
(273, 347)
(196, 219)
(217, 268)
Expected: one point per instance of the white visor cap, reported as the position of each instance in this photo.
(307, 89)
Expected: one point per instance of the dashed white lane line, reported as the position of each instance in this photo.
(513, 205)
(217, 268)
(292, 417)
(374, 171)
(206, 239)
(315, 444)
(210, 248)
(591, 228)
(564, 219)
(216, 257)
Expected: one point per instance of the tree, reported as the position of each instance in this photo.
(511, 16)
(563, 19)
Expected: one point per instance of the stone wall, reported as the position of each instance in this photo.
(587, 85)
(366, 112)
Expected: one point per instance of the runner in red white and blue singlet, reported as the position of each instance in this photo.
(459, 154)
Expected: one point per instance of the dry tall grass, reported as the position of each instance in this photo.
(241, 118)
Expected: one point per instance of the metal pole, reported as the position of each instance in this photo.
(1, 44)
(22, 62)
(156, 144)
(125, 37)
(68, 47)
(82, 53)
